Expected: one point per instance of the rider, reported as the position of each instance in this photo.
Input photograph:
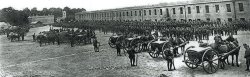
(230, 38)
(218, 41)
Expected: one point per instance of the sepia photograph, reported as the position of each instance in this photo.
(124, 38)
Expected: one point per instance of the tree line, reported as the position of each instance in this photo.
(20, 17)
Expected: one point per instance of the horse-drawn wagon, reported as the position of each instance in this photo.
(206, 57)
(126, 42)
(155, 47)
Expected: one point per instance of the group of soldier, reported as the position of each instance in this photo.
(192, 31)
(197, 30)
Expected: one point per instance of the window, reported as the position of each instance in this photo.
(149, 12)
(160, 11)
(135, 13)
(173, 10)
(218, 20)
(167, 12)
(217, 8)
(208, 19)
(120, 14)
(139, 13)
(242, 19)
(145, 13)
(207, 8)
(228, 7)
(189, 19)
(241, 8)
(123, 13)
(189, 10)
(230, 19)
(198, 9)
(155, 12)
(181, 10)
(131, 13)
(127, 13)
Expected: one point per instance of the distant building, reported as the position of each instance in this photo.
(49, 19)
(64, 15)
(205, 10)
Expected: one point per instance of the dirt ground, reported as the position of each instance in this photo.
(28, 59)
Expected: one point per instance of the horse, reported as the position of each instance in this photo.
(145, 40)
(51, 37)
(223, 47)
(41, 39)
(14, 36)
(181, 41)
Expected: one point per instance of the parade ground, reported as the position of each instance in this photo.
(27, 59)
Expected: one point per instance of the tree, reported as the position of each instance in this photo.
(27, 11)
(14, 17)
(34, 11)
(45, 11)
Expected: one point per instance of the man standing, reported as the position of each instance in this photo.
(247, 56)
(34, 37)
(95, 44)
(118, 48)
(131, 52)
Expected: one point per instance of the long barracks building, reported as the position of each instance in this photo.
(206, 10)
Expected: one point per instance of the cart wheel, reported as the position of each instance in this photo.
(188, 62)
(210, 61)
(112, 45)
(137, 44)
(152, 53)
(165, 48)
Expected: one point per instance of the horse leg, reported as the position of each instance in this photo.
(228, 60)
(173, 63)
(237, 63)
(168, 65)
(232, 60)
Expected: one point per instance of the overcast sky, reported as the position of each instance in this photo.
(89, 5)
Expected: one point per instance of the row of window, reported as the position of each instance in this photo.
(208, 19)
(207, 10)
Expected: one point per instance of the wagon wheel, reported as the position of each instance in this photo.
(188, 62)
(137, 45)
(165, 49)
(112, 45)
(152, 53)
(210, 61)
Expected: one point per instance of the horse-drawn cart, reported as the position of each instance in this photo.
(208, 58)
(155, 48)
(125, 42)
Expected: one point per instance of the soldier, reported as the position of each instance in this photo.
(131, 52)
(95, 44)
(34, 37)
(118, 48)
(247, 56)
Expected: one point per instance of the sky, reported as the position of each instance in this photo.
(89, 5)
